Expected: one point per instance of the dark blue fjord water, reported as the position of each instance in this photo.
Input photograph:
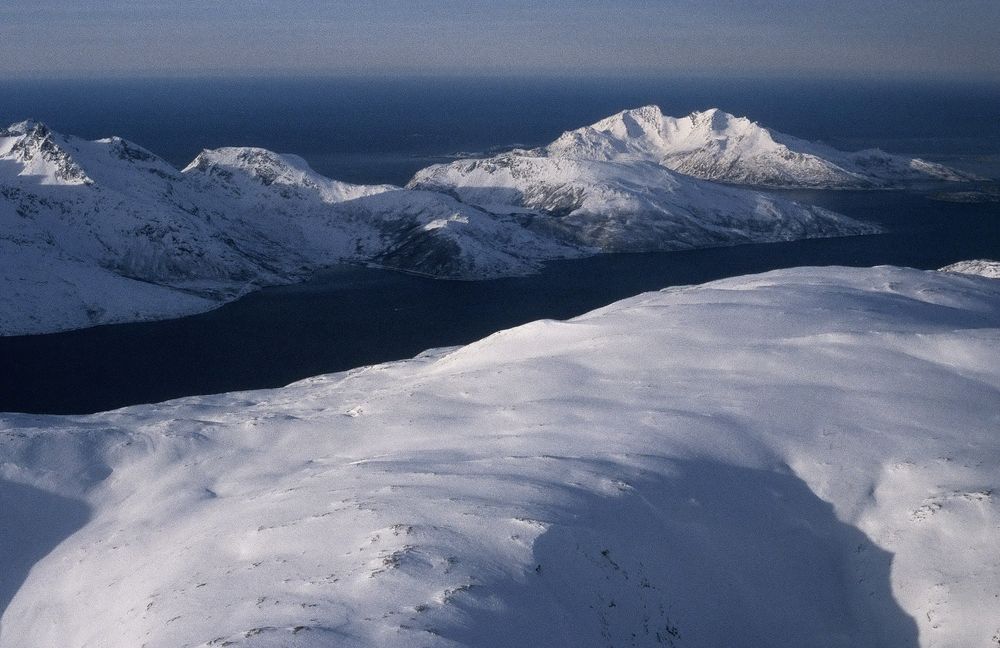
(383, 131)
(354, 316)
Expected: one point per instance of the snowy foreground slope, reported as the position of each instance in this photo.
(807, 457)
(716, 145)
(105, 231)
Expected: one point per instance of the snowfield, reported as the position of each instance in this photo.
(807, 457)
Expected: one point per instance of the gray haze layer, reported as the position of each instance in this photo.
(925, 38)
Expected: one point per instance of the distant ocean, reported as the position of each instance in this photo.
(383, 130)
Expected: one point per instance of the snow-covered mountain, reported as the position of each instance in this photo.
(627, 206)
(807, 457)
(416, 231)
(716, 145)
(250, 172)
(980, 267)
(105, 231)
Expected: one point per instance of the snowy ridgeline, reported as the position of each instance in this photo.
(981, 267)
(716, 145)
(105, 231)
(806, 457)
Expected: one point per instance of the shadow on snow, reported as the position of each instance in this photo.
(32, 523)
(714, 555)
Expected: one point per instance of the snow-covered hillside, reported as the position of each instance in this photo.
(105, 231)
(628, 206)
(716, 145)
(248, 172)
(93, 232)
(807, 457)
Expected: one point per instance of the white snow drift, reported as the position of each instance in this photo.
(806, 457)
(105, 231)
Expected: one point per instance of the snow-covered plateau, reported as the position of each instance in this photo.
(93, 232)
(807, 457)
(716, 145)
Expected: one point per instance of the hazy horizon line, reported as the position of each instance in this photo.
(275, 75)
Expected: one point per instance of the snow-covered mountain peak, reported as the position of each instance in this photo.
(650, 113)
(244, 167)
(981, 267)
(628, 134)
(636, 122)
(264, 166)
(646, 134)
(718, 123)
(716, 145)
(715, 119)
(117, 162)
(128, 151)
(38, 155)
(42, 153)
(23, 128)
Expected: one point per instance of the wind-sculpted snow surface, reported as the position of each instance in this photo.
(105, 231)
(807, 457)
(716, 145)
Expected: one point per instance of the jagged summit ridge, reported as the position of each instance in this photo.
(238, 166)
(51, 158)
(41, 153)
(982, 267)
(716, 145)
(22, 128)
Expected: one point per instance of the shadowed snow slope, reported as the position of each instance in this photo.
(806, 457)
(715, 145)
(105, 231)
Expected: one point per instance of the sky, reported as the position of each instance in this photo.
(952, 39)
